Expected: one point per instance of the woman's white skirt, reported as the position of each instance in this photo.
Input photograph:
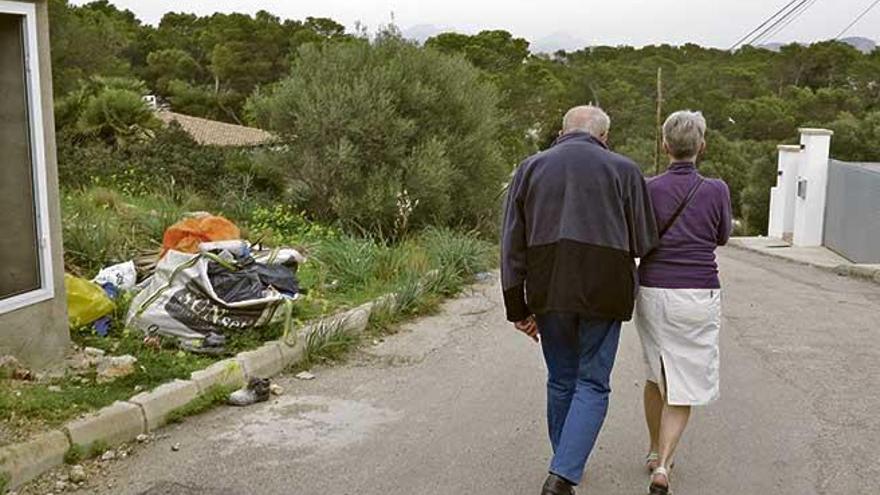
(679, 329)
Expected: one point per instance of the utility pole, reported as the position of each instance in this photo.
(658, 146)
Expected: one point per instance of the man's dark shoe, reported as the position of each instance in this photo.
(557, 486)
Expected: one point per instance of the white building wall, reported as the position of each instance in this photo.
(811, 189)
(782, 197)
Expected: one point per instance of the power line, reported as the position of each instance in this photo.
(857, 19)
(787, 23)
(791, 14)
(780, 11)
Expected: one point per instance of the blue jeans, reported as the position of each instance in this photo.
(580, 354)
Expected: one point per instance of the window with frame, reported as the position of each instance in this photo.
(25, 261)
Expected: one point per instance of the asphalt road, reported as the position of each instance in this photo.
(454, 405)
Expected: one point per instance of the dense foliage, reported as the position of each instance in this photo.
(753, 100)
(386, 135)
(371, 120)
(204, 66)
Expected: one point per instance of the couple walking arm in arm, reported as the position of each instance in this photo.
(577, 216)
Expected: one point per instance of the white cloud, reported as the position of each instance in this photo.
(636, 22)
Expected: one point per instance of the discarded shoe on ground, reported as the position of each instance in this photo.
(257, 390)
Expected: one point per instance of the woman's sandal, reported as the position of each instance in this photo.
(657, 489)
(652, 462)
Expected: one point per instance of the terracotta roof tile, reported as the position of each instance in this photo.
(214, 133)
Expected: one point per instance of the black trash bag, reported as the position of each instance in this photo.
(280, 277)
(250, 280)
(241, 284)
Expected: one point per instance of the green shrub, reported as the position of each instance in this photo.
(97, 448)
(328, 342)
(279, 224)
(762, 174)
(76, 453)
(93, 232)
(109, 110)
(173, 166)
(462, 253)
(349, 261)
(387, 136)
(855, 139)
(102, 226)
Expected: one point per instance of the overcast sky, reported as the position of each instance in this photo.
(634, 22)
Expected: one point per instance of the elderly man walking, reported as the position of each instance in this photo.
(577, 215)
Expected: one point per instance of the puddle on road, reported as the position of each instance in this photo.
(309, 425)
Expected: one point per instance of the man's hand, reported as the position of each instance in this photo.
(528, 327)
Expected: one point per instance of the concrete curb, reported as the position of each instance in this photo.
(867, 273)
(115, 424)
(25, 461)
(124, 420)
(262, 362)
(156, 405)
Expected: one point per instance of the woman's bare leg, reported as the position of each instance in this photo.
(672, 424)
(653, 413)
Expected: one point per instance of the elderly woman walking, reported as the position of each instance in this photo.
(678, 312)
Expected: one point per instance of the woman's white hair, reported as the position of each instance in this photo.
(684, 133)
(586, 118)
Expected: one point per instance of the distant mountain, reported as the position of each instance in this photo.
(773, 47)
(863, 45)
(557, 41)
(422, 32)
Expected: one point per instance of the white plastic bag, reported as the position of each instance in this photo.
(123, 276)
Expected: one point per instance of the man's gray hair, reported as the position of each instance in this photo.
(684, 133)
(586, 118)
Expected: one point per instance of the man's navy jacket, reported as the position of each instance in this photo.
(577, 215)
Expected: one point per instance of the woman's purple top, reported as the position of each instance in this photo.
(685, 258)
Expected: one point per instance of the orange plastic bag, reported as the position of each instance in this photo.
(186, 235)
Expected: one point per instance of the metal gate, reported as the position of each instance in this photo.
(852, 213)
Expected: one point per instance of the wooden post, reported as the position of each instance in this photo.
(658, 146)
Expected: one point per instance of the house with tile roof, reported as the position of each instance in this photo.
(215, 133)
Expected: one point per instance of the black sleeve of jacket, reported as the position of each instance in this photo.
(643, 236)
(513, 250)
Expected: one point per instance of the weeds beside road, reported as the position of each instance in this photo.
(103, 226)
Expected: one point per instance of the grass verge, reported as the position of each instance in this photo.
(342, 272)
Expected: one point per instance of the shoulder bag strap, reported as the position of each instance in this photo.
(682, 207)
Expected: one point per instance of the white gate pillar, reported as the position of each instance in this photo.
(782, 197)
(812, 188)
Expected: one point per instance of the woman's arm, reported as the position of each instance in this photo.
(725, 225)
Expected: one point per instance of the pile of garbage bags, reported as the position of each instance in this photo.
(208, 282)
